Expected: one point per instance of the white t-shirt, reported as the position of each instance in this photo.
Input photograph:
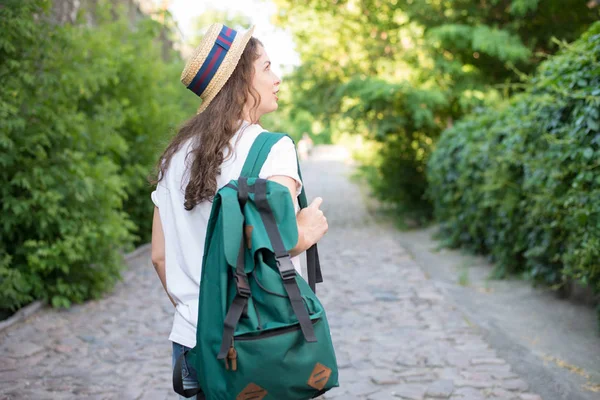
(185, 231)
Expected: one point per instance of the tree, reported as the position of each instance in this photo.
(401, 71)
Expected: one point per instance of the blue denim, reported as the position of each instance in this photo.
(190, 380)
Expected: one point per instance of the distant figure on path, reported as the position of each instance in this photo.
(305, 146)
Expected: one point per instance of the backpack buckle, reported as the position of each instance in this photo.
(242, 285)
(286, 269)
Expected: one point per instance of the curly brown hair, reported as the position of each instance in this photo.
(213, 129)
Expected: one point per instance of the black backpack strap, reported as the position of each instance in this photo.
(284, 262)
(313, 266)
(178, 381)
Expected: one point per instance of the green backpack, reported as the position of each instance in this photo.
(262, 333)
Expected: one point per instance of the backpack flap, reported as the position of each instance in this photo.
(255, 232)
(283, 212)
(256, 158)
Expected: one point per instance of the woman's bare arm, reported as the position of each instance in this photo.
(158, 250)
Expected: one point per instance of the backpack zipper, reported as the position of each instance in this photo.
(231, 356)
(274, 332)
(232, 353)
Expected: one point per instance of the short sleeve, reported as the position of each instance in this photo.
(282, 160)
(159, 193)
(154, 197)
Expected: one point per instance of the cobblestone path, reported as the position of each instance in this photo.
(396, 336)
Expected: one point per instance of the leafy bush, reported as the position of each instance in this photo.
(522, 182)
(82, 113)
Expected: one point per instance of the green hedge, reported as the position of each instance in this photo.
(83, 114)
(522, 182)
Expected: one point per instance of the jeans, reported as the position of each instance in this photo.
(190, 381)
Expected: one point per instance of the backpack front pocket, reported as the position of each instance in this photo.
(305, 365)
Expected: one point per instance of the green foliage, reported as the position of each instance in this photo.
(400, 117)
(293, 124)
(522, 7)
(534, 22)
(521, 182)
(81, 119)
(499, 44)
(400, 72)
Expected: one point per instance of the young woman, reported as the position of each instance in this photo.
(231, 73)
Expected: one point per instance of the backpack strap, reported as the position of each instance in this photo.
(284, 263)
(259, 152)
(254, 162)
(313, 265)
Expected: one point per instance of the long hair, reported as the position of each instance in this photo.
(213, 129)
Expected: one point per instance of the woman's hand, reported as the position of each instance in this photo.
(312, 224)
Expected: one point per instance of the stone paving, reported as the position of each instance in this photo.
(395, 335)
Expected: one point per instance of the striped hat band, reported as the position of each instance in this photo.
(213, 61)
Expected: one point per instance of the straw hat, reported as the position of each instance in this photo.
(213, 61)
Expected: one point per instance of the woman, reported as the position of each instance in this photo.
(231, 73)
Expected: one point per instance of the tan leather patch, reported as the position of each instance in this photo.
(248, 231)
(319, 376)
(252, 392)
